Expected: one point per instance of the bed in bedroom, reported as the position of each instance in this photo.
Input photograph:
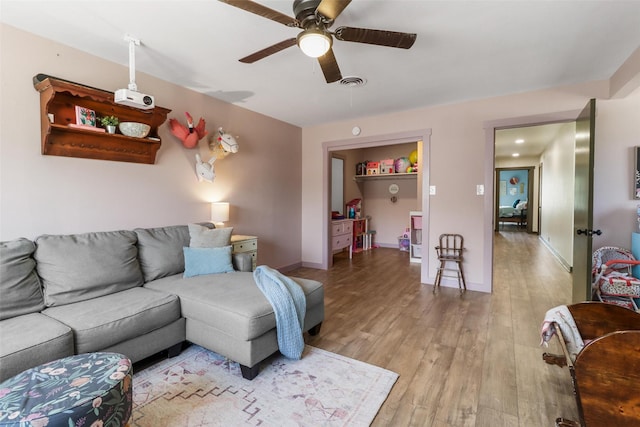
(513, 214)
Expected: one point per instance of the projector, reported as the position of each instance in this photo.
(134, 99)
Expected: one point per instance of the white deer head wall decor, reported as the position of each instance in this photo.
(205, 170)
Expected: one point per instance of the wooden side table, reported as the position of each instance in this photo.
(246, 244)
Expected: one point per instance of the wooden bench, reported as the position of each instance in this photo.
(606, 372)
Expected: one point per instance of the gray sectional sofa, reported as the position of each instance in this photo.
(124, 291)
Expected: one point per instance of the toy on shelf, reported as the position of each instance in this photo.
(361, 168)
(387, 166)
(402, 165)
(354, 209)
(373, 168)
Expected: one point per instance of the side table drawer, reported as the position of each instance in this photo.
(245, 246)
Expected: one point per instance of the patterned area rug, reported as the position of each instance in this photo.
(202, 388)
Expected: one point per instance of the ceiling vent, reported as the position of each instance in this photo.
(352, 81)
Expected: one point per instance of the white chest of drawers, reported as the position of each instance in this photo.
(342, 235)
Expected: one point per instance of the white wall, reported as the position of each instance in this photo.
(558, 170)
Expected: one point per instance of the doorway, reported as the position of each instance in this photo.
(492, 152)
(329, 147)
(514, 199)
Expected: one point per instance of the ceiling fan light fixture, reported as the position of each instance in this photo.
(314, 42)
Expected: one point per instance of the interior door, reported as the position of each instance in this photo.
(583, 203)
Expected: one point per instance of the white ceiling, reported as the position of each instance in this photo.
(535, 140)
(464, 49)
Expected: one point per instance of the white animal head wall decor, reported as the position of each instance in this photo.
(223, 144)
(205, 170)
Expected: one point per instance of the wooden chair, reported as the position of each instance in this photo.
(606, 372)
(450, 251)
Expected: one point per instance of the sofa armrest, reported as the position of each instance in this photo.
(242, 262)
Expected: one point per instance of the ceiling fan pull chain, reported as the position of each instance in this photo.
(351, 97)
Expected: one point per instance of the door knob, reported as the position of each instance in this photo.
(588, 232)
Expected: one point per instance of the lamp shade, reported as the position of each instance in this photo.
(219, 212)
(314, 42)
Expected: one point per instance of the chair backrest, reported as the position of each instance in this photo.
(451, 245)
(608, 253)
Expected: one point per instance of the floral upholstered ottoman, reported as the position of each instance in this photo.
(88, 390)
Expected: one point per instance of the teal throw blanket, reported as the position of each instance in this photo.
(289, 305)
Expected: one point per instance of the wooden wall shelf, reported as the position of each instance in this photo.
(59, 97)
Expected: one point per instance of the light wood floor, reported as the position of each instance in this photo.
(473, 360)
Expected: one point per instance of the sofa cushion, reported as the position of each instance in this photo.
(20, 291)
(232, 302)
(105, 321)
(31, 340)
(80, 267)
(160, 250)
(199, 261)
(204, 237)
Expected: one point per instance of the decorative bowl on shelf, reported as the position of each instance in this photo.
(133, 129)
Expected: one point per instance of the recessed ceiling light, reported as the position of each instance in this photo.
(519, 141)
(515, 155)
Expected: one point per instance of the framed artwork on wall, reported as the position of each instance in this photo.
(636, 177)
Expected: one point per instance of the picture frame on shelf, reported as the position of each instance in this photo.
(85, 116)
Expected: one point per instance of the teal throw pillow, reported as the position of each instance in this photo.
(199, 261)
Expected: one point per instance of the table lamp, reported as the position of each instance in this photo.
(219, 213)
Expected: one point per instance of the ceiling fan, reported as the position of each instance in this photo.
(315, 17)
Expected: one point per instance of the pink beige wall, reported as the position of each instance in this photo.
(56, 195)
(461, 158)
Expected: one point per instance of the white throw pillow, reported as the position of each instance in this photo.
(203, 237)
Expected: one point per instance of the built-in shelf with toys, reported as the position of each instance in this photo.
(62, 135)
(401, 168)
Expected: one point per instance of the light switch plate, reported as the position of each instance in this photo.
(432, 190)
(480, 190)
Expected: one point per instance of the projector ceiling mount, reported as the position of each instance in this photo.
(131, 96)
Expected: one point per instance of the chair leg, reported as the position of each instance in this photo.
(438, 277)
(464, 283)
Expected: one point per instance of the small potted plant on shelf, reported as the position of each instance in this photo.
(110, 123)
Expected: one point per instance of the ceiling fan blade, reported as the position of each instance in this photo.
(377, 37)
(330, 67)
(265, 12)
(332, 8)
(268, 51)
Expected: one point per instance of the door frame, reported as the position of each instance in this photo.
(490, 128)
